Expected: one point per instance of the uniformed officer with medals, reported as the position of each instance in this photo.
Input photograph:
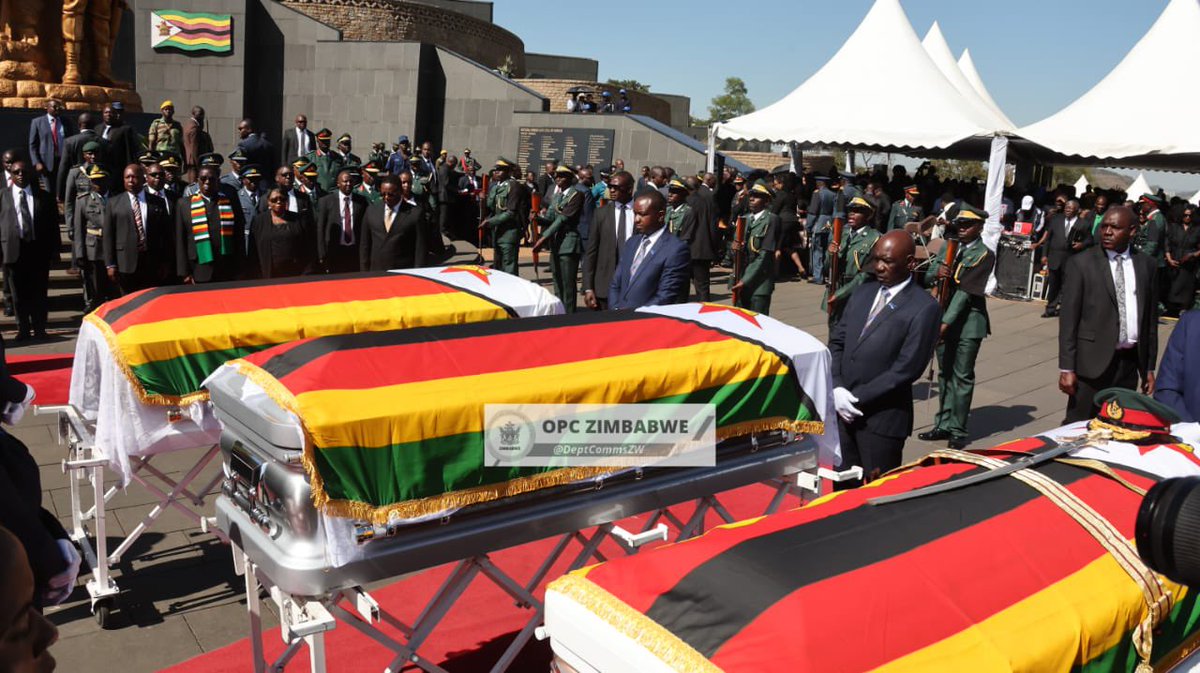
(87, 247)
(905, 211)
(505, 220)
(680, 218)
(327, 162)
(965, 323)
(560, 230)
(370, 172)
(762, 239)
(852, 252)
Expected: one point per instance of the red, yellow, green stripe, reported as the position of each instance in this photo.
(407, 440)
(196, 31)
(990, 578)
(169, 339)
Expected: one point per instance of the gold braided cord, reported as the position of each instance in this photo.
(1158, 598)
(659, 641)
(151, 399)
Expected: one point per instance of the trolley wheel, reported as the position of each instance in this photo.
(103, 611)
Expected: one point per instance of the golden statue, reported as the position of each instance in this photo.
(61, 49)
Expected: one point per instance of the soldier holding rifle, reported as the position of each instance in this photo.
(755, 285)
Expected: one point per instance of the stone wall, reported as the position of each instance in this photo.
(556, 91)
(401, 20)
(553, 66)
(636, 143)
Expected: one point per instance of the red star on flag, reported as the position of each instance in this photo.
(748, 316)
(477, 271)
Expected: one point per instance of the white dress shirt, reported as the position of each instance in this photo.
(16, 197)
(293, 205)
(302, 147)
(628, 207)
(1069, 225)
(343, 200)
(892, 292)
(139, 201)
(1131, 302)
(653, 240)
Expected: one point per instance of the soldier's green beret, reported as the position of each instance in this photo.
(91, 146)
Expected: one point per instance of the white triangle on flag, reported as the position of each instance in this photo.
(161, 29)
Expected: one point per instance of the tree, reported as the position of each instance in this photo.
(733, 103)
(629, 85)
(957, 169)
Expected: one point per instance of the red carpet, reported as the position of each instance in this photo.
(476, 630)
(50, 375)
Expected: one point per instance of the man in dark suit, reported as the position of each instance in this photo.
(196, 142)
(73, 150)
(208, 242)
(340, 225)
(1108, 331)
(1066, 234)
(258, 149)
(47, 139)
(612, 226)
(880, 346)
(122, 141)
(30, 239)
(701, 238)
(138, 244)
(1178, 382)
(396, 231)
(655, 266)
(447, 180)
(298, 141)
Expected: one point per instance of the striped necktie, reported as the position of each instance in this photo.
(880, 302)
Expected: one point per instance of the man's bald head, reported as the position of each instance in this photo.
(894, 256)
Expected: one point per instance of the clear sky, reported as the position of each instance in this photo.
(1035, 56)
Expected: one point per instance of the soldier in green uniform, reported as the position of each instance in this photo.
(560, 230)
(378, 154)
(79, 182)
(505, 219)
(762, 238)
(370, 172)
(1151, 238)
(165, 134)
(344, 145)
(852, 252)
(87, 226)
(680, 218)
(904, 211)
(964, 325)
(306, 181)
(326, 161)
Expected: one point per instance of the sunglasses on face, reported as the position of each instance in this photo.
(287, 174)
(207, 178)
(155, 174)
(19, 171)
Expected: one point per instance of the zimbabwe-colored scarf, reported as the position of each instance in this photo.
(204, 253)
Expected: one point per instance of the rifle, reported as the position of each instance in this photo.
(943, 288)
(535, 228)
(483, 194)
(739, 255)
(834, 272)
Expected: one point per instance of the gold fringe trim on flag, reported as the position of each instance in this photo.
(770, 424)
(669, 648)
(151, 399)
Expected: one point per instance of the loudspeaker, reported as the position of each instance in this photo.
(1014, 267)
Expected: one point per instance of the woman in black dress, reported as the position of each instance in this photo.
(282, 243)
(1183, 262)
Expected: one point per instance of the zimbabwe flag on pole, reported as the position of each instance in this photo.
(191, 31)
(394, 421)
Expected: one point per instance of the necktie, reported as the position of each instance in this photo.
(106, 130)
(137, 222)
(621, 226)
(54, 134)
(1119, 281)
(639, 256)
(880, 302)
(26, 223)
(388, 216)
(347, 223)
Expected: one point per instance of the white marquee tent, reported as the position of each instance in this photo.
(1081, 185)
(1139, 187)
(939, 52)
(967, 65)
(1111, 122)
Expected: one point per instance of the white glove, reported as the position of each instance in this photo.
(62, 584)
(843, 401)
(14, 411)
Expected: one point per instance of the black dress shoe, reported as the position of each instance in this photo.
(22, 336)
(959, 443)
(933, 435)
(40, 334)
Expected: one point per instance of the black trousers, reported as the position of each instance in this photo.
(30, 283)
(1053, 286)
(875, 453)
(1122, 372)
(343, 258)
(701, 278)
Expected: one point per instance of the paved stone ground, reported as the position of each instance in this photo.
(183, 598)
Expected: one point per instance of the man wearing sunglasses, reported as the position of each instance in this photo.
(30, 238)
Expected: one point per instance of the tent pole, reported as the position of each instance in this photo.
(710, 164)
(795, 158)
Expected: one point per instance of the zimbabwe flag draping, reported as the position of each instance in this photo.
(394, 420)
(167, 340)
(993, 577)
